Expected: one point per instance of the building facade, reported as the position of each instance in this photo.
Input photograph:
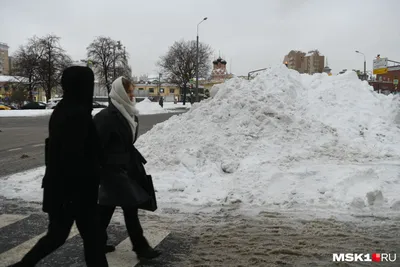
(10, 65)
(219, 74)
(8, 84)
(387, 83)
(169, 91)
(294, 60)
(4, 60)
(311, 62)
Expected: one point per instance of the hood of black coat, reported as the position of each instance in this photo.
(78, 85)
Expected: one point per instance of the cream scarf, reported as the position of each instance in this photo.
(119, 98)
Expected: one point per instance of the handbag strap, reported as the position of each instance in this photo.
(137, 129)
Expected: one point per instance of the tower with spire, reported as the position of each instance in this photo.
(326, 68)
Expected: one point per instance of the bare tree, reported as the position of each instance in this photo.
(26, 65)
(19, 96)
(109, 60)
(52, 63)
(123, 69)
(179, 64)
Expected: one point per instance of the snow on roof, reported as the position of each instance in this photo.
(313, 52)
(12, 79)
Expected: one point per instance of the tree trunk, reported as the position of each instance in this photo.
(108, 91)
(30, 90)
(48, 94)
(184, 93)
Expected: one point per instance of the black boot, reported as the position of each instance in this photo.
(144, 250)
(148, 253)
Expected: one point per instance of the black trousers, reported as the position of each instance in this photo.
(60, 224)
(133, 226)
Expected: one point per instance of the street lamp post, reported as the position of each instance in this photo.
(197, 61)
(159, 82)
(365, 64)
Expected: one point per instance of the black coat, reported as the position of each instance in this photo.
(72, 148)
(71, 158)
(122, 164)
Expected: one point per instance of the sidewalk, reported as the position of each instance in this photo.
(273, 239)
(223, 238)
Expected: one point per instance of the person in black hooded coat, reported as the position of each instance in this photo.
(71, 181)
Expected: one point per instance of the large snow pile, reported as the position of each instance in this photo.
(281, 140)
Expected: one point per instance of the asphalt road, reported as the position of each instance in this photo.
(22, 140)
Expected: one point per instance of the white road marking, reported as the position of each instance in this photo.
(15, 149)
(7, 219)
(124, 256)
(38, 145)
(15, 254)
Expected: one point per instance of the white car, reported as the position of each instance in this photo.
(52, 103)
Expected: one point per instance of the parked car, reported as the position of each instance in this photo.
(98, 105)
(4, 106)
(52, 102)
(139, 99)
(12, 106)
(34, 105)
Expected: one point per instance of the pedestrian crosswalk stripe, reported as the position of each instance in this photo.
(24, 231)
(15, 254)
(21, 231)
(7, 219)
(124, 256)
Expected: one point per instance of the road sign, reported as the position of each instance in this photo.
(381, 71)
(396, 81)
(380, 66)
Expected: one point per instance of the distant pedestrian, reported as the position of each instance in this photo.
(161, 102)
(122, 171)
(71, 180)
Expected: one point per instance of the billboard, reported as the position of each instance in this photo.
(380, 66)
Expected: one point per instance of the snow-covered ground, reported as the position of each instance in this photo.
(148, 107)
(25, 112)
(317, 145)
(145, 107)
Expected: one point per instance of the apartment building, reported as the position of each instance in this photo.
(311, 62)
(294, 60)
(4, 60)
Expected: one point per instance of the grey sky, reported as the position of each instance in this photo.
(250, 34)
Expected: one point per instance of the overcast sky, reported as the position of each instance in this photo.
(250, 34)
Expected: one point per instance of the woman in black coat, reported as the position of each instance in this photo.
(120, 185)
